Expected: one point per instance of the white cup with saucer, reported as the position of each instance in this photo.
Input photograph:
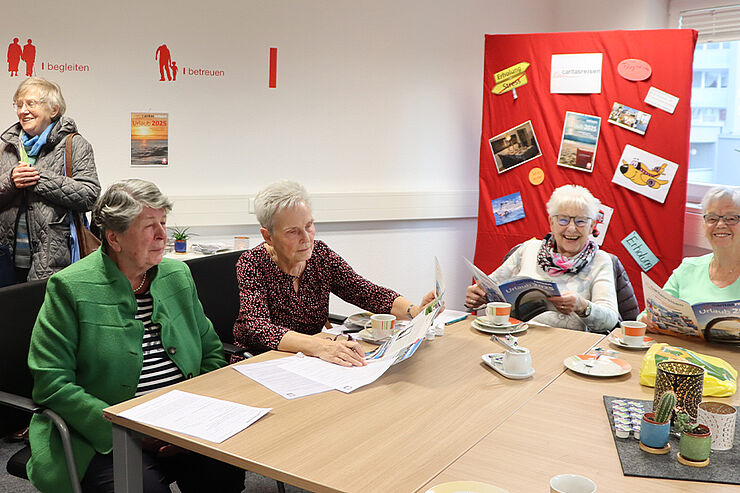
(380, 325)
(571, 483)
(517, 362)
(633, 333)
(498, 312)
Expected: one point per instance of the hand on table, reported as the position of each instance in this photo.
(344, 353)
(475, 296)
(24, 176)
(569, 302)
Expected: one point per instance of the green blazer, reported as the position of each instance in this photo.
(86, 354)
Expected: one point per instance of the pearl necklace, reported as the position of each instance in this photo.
(143, 280)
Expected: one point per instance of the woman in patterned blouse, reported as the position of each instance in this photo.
(284, 283)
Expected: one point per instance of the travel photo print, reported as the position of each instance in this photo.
(508, 208)
(629, 118)
(515, 146)
(579, 141)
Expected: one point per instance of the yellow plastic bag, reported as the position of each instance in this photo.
(720, 379)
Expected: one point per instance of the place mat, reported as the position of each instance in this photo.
(722, 466)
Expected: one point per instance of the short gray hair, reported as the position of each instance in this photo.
(276, 197)
(719, 193)
(51, 93)
(573, 196)
(123, 201)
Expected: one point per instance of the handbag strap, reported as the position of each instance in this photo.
(68, 154)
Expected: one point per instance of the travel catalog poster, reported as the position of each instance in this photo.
(149, 139)
(580, 138)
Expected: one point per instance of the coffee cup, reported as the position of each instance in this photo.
(381, 325)
(633, 333)
(519, 361)
(241, 242)
(498, 312)
(571, 483)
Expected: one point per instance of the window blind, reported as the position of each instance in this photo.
(713, 24)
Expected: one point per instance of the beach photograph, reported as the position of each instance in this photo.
(579, 141)
(149, 139)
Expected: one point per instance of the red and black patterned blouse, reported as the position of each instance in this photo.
(270, 306)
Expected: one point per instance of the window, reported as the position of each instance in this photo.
(714, 156)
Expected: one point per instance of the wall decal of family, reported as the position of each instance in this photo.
(16, 53)
(166, 64)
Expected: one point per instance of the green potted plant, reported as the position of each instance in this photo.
(180, 236)
(696, 441)
(656, 426)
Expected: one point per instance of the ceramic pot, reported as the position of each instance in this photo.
(695, 445)
(654, 434)
(181, 246)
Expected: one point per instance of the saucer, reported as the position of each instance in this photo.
(364, 335)
(499, 329)
(615, 339)
(485, 321)
(605, 366)
(495, 361)
(358, 319)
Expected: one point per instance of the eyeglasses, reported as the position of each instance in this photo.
(28, 103)
(579, 221)
(712, 219)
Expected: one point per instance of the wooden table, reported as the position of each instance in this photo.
(393, 435)
(565, 429)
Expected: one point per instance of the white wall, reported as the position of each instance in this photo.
(373, 96)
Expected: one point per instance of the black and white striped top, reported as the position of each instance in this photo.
(158, 369)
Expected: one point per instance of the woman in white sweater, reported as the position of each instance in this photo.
(566, 256)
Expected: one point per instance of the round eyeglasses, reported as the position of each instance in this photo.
(579, 221)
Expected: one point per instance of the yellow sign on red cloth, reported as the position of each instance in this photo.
(510, 78)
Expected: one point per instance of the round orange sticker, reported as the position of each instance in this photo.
(536, 176)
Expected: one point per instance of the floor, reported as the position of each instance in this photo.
(254, 483)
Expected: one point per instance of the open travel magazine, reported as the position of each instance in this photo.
(517, 291)
(716, 321)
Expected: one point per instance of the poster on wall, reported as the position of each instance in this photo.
(149, 139)
(601, 224)
(576, 73)
(508, 208)
(579, 141)
(645, 173)
(629, 118)
(514, 147)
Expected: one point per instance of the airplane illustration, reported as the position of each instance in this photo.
(642, 175)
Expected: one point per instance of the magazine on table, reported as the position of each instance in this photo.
(716, 321)
(516, 291)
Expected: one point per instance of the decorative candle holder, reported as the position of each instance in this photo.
(686, 380)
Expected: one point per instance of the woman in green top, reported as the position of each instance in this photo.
(121, 322)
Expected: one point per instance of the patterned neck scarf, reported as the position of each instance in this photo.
(556, 264)
(32, 145)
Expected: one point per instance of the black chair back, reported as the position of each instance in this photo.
(215, 279)
(19, 305)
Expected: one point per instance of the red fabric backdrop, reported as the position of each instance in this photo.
(670, 54)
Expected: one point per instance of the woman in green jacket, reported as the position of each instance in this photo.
(121, 322)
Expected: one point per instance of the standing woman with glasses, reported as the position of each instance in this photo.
(566, 256)
(714, 276)
(36, 196)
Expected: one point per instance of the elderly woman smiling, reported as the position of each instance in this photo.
(119, 323)
(566, 256)
(285, 283)
(712, 277)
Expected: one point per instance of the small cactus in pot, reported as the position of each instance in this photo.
(665, 408)
(656, 426)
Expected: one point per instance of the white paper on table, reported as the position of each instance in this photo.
(336, 329)
(576, 73)
(196, 415)
(288, 384)
(344, 378)
(449, 315)
(661, 100)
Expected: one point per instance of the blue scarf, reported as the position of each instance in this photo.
(33, 144)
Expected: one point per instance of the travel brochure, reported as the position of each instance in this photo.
(149, 139)
(716, 321)
(579, 141)
(516, 291)
(576, 73)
